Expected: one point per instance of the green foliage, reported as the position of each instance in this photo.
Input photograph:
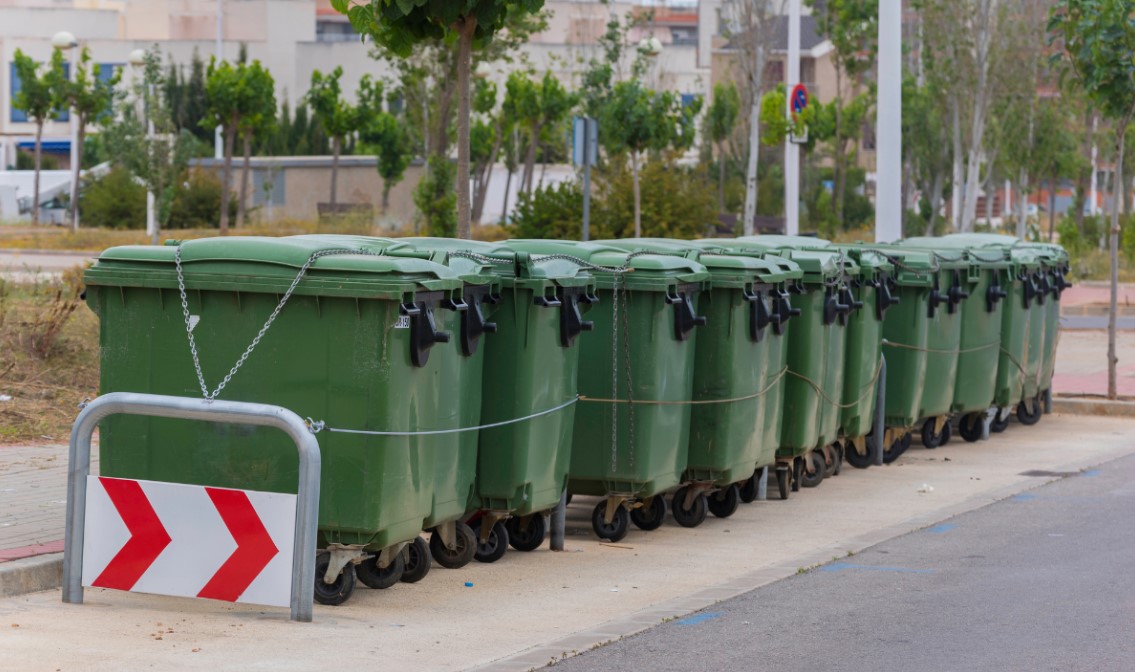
(390, 141)
(38, 96)
(223, 95)
(635, 119)
(852, 27)
(551, 211)
(114, 201)
(89, 96)
(259, 108)
(677, 202)
(186, 98)
(721, 117)
(338, 117)
(1098, 38)
(25, 161)
(436, 198)
(197, 202)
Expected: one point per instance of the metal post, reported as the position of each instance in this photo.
(888, 125)
(218, 144)
(877, 446)
(586, 194)
(762, 485)
(151, 220)
(130, 403)
(791, 149)
(559, 523)
(76, 160)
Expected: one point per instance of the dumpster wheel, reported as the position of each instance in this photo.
(932, 437)
(334, 593)
(650, 513)
(1029, 416)
(527, 533)
(813, 470)
(970, 426)
(898, 447)
(855, 458)
(782, 478)
(381, 578)
(464, 546)
(613, 530)
(723, 503)
(748, 490)
(1000, 422)
(417, 559)
(689, 507)
(494, 545)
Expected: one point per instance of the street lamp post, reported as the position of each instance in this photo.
(65, 40)
(138, 59)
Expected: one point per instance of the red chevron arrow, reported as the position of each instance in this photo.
(148, 537)
(254, 546)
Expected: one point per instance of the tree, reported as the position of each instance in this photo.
(1098, 38)
(37, 99)
(926, 144)
(399, 25)
(720, 119)
(338, 117)
(852, 28)
(636, 119)
(386, 136)
(259, 117)
(486, 137)
(159, 161)
(224, 93)
(537, 105)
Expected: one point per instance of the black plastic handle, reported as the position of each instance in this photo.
(933, 301)
(992, 295)
(884, 299)
(685, 319)
(572, 323)
(423, 331)
(759, 316)
(473, 324)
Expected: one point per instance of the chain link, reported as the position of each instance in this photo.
(210, 396)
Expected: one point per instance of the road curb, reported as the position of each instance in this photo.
(31, 575)
(1093, 406)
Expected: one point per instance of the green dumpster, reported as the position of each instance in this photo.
(632, 424)
(989, 274)
(531, 369)
(731, 374)
(816, 355)
(360, 345)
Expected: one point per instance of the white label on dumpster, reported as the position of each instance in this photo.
(189, 540)
(403, 322)
(193, 320)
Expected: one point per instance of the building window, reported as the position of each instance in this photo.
(335, 31)
(14, 88)
(685, 37)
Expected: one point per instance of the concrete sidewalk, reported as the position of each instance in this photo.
(527, 609)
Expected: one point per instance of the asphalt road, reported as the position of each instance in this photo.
(1042, 581)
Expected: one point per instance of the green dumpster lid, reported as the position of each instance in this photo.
(510, 264)
(727, 270)
(783, 266)
(265, 264)
(870, 260)
(649, 271)
(817, 263)
(992, 255)
(782, 241)
(473, 272)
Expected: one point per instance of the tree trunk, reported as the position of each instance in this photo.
(1113, 245)
(637, 197)
(755, 84)
(935, 202)
(504, 204)
(721, 176)
(336, 142)
(38, 159)
(957, 186)
(226, 175)
(1052, 208)
(385, 196)
(1022, 203)
(530, 159)
(486, 179)
(464, 56)
(989, 191)
(1085, 176)
(78, 170)
(841, 153)
(241, 206)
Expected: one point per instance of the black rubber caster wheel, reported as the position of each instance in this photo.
(493, 548)
(797, 472)
(969, 426)
(336, 593)
(999, 424)
(527, 538)
(897, 449)
(811, 480)
(376, 577)
(693, 516)
(650, 515)
(933, 440)
(462, 552)
(857, 460)
(782, 478)
(417, 560)
(1029, 412)
(748, 489)
(724, 502)
(837, 460)
(616, 529)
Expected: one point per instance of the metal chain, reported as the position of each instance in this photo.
(615, 375)
(630, 380)
(210, 396)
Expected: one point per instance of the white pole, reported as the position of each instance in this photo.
(218, 144)
(1008, 205)
(888, 125)
(1092, 210)
(151, 222)
(75, 158)
(791, 149)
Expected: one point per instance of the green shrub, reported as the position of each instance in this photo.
(436, 198)
(25, 160)
(197, 202)
(553, 211)
(114, 201)
(677, 202)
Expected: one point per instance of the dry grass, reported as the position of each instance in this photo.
(96, 240)
(49, 351)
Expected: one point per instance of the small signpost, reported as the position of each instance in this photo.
(585, 152)
(798, 102)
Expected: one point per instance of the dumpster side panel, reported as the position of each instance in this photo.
(906, 333)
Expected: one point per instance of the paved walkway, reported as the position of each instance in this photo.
(33, 498)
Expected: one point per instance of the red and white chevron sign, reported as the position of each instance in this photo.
(189, 540)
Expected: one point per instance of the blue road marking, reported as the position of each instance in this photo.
(939, 529)
(1091, 473)
(839, 566)
(1024, 497)
(698, 618)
